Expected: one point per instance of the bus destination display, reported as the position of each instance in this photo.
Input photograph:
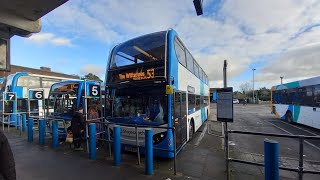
(149, 74)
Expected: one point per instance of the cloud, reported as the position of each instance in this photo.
(42, 38)
(260, 17)
(94, 69)
(243, 32)
(296, 64)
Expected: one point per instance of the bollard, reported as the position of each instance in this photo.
(92, 141)
(149, 151)
(41, 131)
(13, 119)
(18, 121)
(271, 160)
(55, 140)
(116, 146)
(24, 122)
(30, 129)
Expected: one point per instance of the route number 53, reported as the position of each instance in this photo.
(150, 73)
(94, 90)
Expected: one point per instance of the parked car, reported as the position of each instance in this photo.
(235, 101)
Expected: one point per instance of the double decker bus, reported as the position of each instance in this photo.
(66, 97)
(21, 86)
(153, 80)
(298, 102)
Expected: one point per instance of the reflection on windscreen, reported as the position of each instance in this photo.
(143, 49)
(65, 103)
(148, 103)
(64, 98)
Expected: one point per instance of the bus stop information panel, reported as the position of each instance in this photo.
(225, 104)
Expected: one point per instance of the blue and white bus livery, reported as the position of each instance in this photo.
(139, 77)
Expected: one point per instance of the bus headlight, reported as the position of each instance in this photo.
(158, 138)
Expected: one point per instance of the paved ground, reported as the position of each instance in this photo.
(258, 118)
(202, 157)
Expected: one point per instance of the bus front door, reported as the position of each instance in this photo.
(180, 118)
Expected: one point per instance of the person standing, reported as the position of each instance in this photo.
(94, 115)
(7, 164)
(93, 112)
(99, 108)
(77, 127)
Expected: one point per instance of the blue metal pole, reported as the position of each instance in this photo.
(24, 122)
(271, 160)
(92, 141)
(41, 131)
(55, 140)
(30, 129)
(149, 151)
(116, 146)
(18, 121)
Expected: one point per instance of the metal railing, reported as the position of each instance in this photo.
(136, 127)
(104, 129)
(300, 169)
(49, 120)
(6, 120)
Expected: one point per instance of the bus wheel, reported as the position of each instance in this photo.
(289, 117)
(191, 129)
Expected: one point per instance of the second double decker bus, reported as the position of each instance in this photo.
(66, 97)
(153, 80)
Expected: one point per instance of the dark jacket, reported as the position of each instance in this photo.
(7, 164)
(77, 123)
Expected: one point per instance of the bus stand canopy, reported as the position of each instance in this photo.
(21, 18)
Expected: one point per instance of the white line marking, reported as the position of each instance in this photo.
(300, 128)
(201, 135)
(307, 142)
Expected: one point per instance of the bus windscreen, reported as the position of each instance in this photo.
(140, 105)
(143, 49)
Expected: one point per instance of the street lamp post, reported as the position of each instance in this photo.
(281, 77)
(253, 99)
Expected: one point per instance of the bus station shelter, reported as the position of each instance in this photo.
(21, 18)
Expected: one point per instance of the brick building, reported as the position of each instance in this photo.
(42, 71)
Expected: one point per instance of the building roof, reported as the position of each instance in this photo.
(42, 71)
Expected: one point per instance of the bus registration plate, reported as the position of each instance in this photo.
(131, 149)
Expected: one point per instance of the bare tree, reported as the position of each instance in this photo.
(245, 87)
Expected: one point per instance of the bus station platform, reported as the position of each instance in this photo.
(201, 158)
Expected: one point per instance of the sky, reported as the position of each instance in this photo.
(277, 38)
